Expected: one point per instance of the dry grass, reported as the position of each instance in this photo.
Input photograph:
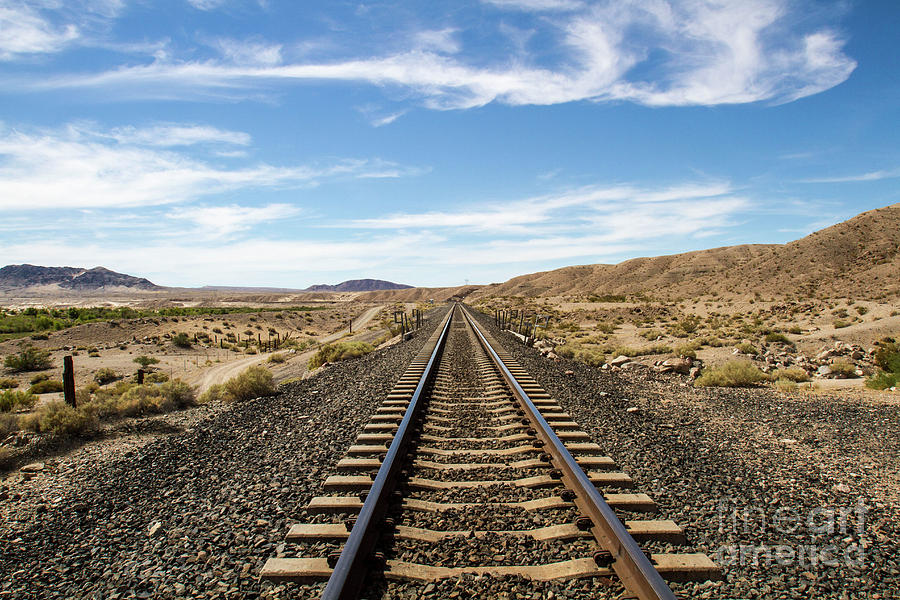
(735, 373)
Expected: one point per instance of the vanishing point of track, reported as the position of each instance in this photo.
(469, 456)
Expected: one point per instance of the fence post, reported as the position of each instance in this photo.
(140, 376)
(69, 381)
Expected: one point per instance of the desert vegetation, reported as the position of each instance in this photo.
(330, 353)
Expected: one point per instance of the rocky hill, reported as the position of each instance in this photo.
(857, 258)
(70, 278)
(358, 285)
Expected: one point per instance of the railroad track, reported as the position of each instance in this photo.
(470, 467)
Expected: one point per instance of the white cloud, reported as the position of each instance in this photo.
(23, 30)
(870, 176)
(171, 134)
(537, 5)
(656, 53)
(78, 168)
(442, 40)
(249, 52)
(222, 221)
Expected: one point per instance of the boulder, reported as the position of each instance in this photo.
(619, 361)
(679, 365)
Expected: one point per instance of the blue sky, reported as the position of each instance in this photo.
(265, 142)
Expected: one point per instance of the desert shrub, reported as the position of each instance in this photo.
(146, 361)
(48, 386)
(8, 383)
(887, 356)
(688, 350)
(566, 350)
(181, 340)
(651, 334)
(883, 380)
(338, 352)
(8, 424)
(29, 359)
(251, 350)
(179, 393)
(840, 323)
(632, 352)
(689, 325)
(105, 375)
(785, 385)
(777, 338)
(61, 419)
(604, 327)
(254, 382)
(156, 377)
(795, 374)
(40, 336)
(795, 329)
(861, 310)
(591, 357)
(734, 373)
(13, 399)
(39, 378)
(746, 348)
(843, 368)
(277, 358)
(213, 393)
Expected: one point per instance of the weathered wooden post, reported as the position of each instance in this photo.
(69, 381)
(140, 377)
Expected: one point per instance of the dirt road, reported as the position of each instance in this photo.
(220, 373)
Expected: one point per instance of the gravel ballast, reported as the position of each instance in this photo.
(193, 514)
(759, 479)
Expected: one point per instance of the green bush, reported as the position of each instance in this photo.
(29, 359)
(840, 324)
(156, 377)
(746, 348)
(688, 350)
(843, 368)
(254, 382)
(777, 338)
(47, 386)
(146, 361)
(883, 380)
(566, 350)
(795, 374)
(105, 375)
(594, 358)
(735, 373)
(8, 424)
(337, 352)
(12, 399)
(887, 356)
(8, 383)
(39, 378)
(61, 419)
(277, 358)
(182, 340)
(604, 327)
(215, 392)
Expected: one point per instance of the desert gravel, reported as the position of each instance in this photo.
(193, 514)
(752, 470)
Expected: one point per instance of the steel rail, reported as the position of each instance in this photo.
(631, 565)
(347, 577)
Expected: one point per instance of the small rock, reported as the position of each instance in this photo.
(841, 488)
(570, 372)
(632, 409)
(33, 468)
(154, 529)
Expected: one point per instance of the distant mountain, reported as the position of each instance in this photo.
(358, 285)
(70, 278)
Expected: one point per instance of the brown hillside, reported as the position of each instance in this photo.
(857, 258)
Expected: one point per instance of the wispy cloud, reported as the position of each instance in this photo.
(78, 168)
(23, 31)
(537, 5)
(659, 54)
(222, 221)
(870, 176)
